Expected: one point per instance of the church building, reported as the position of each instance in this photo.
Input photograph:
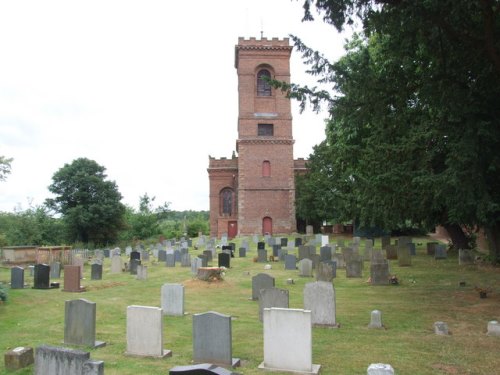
(253, 192)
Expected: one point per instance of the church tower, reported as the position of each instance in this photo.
(254, 193)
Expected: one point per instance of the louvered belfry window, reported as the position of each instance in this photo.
(263, 87)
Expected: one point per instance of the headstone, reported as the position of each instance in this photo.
(493, 328)
(441, 328)
(170, 260)
(79, 261)
(116, 264)
(177, 256)
(142, 272)
(186, 260)
(133, 266)
(378, 256)
(55, 270)
(272, 297)
(375, 319)
(412, 248)
(135, 255)
(325, 253)
(80, 323)
(224, 260)
(298, 242)
(242, 252)
(380, 369)
(128, 250)
(116, 251)
(106, 253)
(319, 298)
(290, 262)
(72, 279)
(208, 254)
(145, 255)
(200, 369)
(309, 230)
(391, 252)
(354, 268)
(261, 245)
(288, 341)
(276, 249)
(261, 256)
(305, 267)
(431, 248)
(326, 271)
(440, 252)
(145, 332)
(212, 339)
(339, 259)
(172, 299)
(162, 256)
(204, 260)
(465, 256)
(64, 361)
(195, 264)
(386, 241)
(404, 256)
(303, 252)
(17, 278)
(18, 358)
(96, 271)
(284, 242)
(261, 281)
(41, 276)
(379, 273)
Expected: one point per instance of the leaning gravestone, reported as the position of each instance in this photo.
(172, 299)
(212, 339)
(80, 323)
(319, 298)
(281, 351)
(261, 281)
(145, 332)
(16, 278)
(272, 297)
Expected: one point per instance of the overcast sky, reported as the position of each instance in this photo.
(146, 88)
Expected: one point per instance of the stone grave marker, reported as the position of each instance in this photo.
(170, 260)
(326, 271)
(55, 270)
(204, 260)
(290, 262)
(177, 256)
(284, 241)
(319, 298)
(441, 328)
(430, 246)
(209, 328)
(391, 252)
(41, 276)
(380, 369)
(282, 253)
(224, 260)
(404, 256)
(272, 297)
(298, 242)
(18, 358)
(128, 250)
(172, 299)
(288, 341)
(72, 279)
(133, 266)
(339, 259)
(142, 272)
(386, 241)
(493, 328)
(65, 361)
(261, 245)
(276, 249)
(440, 252)
(325, 253)
(305, 267)
(96, 271)
(379, 273)
(162, 255)
(354, 268)
(375, 319)
(78, 261)
(261, 281)
(145, 332)
(208, 254)
(116, 264)
(242, 252)
(465, 257)
(261, 256)
(17, 277)
(185, 260)
(195, 264)
(135, 255)
(80, 323)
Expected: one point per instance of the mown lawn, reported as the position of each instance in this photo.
(429, 291)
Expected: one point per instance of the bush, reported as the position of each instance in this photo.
(3, 293)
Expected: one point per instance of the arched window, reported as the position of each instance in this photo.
(263, 87)
(226, 201)
(266, 168)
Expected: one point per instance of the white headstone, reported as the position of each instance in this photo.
(172, 299)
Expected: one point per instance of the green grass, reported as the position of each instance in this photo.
(429, 292)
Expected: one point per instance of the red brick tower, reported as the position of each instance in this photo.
(254, 193)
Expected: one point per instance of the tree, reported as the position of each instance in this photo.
(90, 205)
(146, 223)
(4, 167)
(414, 115)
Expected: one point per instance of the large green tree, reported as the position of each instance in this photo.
(414, 113)
(90, 205)
(4, 167)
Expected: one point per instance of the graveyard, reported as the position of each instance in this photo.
(421, 312)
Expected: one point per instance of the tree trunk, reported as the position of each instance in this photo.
(493, 237)
(458, 238)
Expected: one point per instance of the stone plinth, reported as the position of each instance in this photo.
(18, 358)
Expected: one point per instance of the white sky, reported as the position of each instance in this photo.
(146, 88)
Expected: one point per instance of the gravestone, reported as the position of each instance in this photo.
(276, 249)
(282, 253)
(208, 254)
(441, 328)
(96, 271)
(284, 242)
(431, 248)
(195, 264)
(242, 252)
(303, 252)
(80, 322)
(212, 339)
(204, 260)
(339, 259)
(18, 358)
(379, 273)
(288, 341)
(261, 256)
(177, 256)
(185, 260)
(261, 245)
(404, 256)
(272, 297)
(386, 241)
(309, 230)
(145, 332)
(106, 253)
(128, 250)
(72, 279)
(41, 276)
(224, 260)
(172, 299)
(142, 272)
(375, 319)
(116, 264)
(17, 278)
(162, 255)
(79, 261)
(440, 252)
(200, 369)
(135, 255)
(305, 267)
(378, 256)
(493, 328)
(133, 266)
(298, 242)
(326, 271)
(170, 260)
(380, 369)
(290, 262)
(325, 253)
(55, 270)
(145, 255)
(319, 298)
(412, 248)
(354, 268)
(64, 361)
(465, 256)
(261, 281)
(391, 252)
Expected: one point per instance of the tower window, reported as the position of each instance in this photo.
(266, 168)
(226, 201)
(265, 130)
(263, 86)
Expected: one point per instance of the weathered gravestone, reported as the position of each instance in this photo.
(55, 270)
(18, 358)
(212, 339)
(204, 260)
(72, 279)
(261, 256)
(172, 299)
(80, 323)
(200, 369)
(284, 350)
(224, 260)
(380, 369)
(145, 332)
(391, 252)
(261, 281)
(170, 260)
(242, 252)
(375, 319)
(276, 249)
(284, 242)
(441, 328)
(17, 278)
(185, 260)
(64, 361)
(96, 271)
(493, 328)
(41, 276)
(465, 256)
(195, 264)
(177, 256)
(404, 256)
(162, 255)
(379, 273)
(135, 255)
(386, 241)
(339, 259)
(298, 242)
(272, 297)
(116, 264)
(261, 245)
(208, 254)
(319, 298)
(305, 267)
(142, 272)
(133, 266)
(290, 262)
(325, 253)
(326, 271)
(354, 268)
